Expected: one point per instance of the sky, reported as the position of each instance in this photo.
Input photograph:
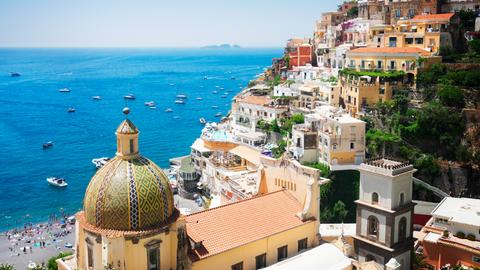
(157, 23)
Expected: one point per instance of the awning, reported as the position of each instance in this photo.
(248, 153)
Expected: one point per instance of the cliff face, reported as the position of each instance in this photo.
(459, 181)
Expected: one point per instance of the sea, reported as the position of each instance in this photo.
(33, 111)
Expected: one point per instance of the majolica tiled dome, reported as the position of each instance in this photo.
(130, 192)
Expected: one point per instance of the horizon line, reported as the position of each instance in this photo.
(140, 47)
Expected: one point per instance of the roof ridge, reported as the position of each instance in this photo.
(237, 202)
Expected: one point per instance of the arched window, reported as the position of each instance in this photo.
(402, 198)
(402, 229)
(374, 198)
(372, 227)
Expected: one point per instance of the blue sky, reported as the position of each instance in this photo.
(156, 23)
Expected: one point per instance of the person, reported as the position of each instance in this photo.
(24, 249)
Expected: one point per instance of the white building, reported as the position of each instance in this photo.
(458, 215)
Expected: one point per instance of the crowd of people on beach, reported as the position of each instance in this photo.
(39, 236)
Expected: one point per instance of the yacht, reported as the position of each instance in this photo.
(15, 74)
(58, 182)
(199, 98)
(181, 96)
(218, 114)
(70, 110)
(129, 96)
(168, 110)
(150, 104)
(179, 101)
(47, 145)
(96, 97)
(100, 162)
(203, 121)
(64, 90)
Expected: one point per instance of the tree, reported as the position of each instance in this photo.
(52, 262)
(353, 12)
(340, 211)
(6, 266)
(451, 96)
(419, 261)
(378, 139)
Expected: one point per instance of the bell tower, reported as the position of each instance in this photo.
(385, 213)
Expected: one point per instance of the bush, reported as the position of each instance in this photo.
(446, 233)
(451, 96)
(52, 264)
(6, 267)
(324, 169)
(471, 237)
(460, 235)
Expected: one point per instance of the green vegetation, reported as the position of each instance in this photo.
(451, 96)
(285, 127)
(6, 266)
(323, 168)
(52, 264)
(276, 81)
(374, 73)
(278, 151)
(353, 12)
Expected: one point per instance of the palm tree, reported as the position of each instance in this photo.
(419, 262)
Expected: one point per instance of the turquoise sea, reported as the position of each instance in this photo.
(32, 111)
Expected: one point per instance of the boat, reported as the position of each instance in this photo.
(172, 84)
(47, 145)
(179, 101)
(221, 88)
(15, 74)
(214, 92)
(199, 98)
(96, 97)
(176, 117)
(205, 78)
(168, 110)
(64, 90)
(100, 162)
(203, 121)
(214, 107)
(233, 78)
(129, 96)
(58, 182)
(153, 107)
(70, 110)
(181, 96)
(223, 96)
(150, 104)
(218, 114)
(226, 93)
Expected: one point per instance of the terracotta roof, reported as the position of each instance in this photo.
(236, 224)
(390, 50)
(257, 100)
(426, 17)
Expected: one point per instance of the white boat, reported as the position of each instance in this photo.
(168, 110)
(64, 90)
(96, 97)
(223, 96)
(47, 145)
(150, 103)
(70, 110)
(181, 96)
(58, 182)
(100, 162)
(153, 107)
(205, 78)
(129, 96)
(214, 107)
(176, 117)
(214, 92)
(218, 114)
(203, 121)
(199, 98)
(179, 101)
(172, 84)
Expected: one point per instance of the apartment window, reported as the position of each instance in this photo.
(237, 266)
(379, 64)
(392, 42)
(261, 261)
(352, 63)
(392, 64)
(363, 64)
(409, 41)
(398, 13)
(476, 259)
(302, 244)
(282, 253)
(411, 12)
(381, 91)
(402, 198)
(419, 41)
(352, 145)
(355, 101)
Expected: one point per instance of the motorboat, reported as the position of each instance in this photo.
(47, 145)
(205, 78)
(96, 97)
(179, 101)
(203, 121)
(70, 110)
(176, 117)
(168, 110)
(100, 162)
(223, 96)
(181, 96)
(233, 78)
(15, 74)
(58, 182)
(150, 104)
(129, 96)
(153, 107)
(226, 93)
(214, 92)
(199, 98)
(221, 88)
(214, 107)
(172, 84)
(64, 90)
(218, 114)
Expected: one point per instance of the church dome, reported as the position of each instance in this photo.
(130, 192)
